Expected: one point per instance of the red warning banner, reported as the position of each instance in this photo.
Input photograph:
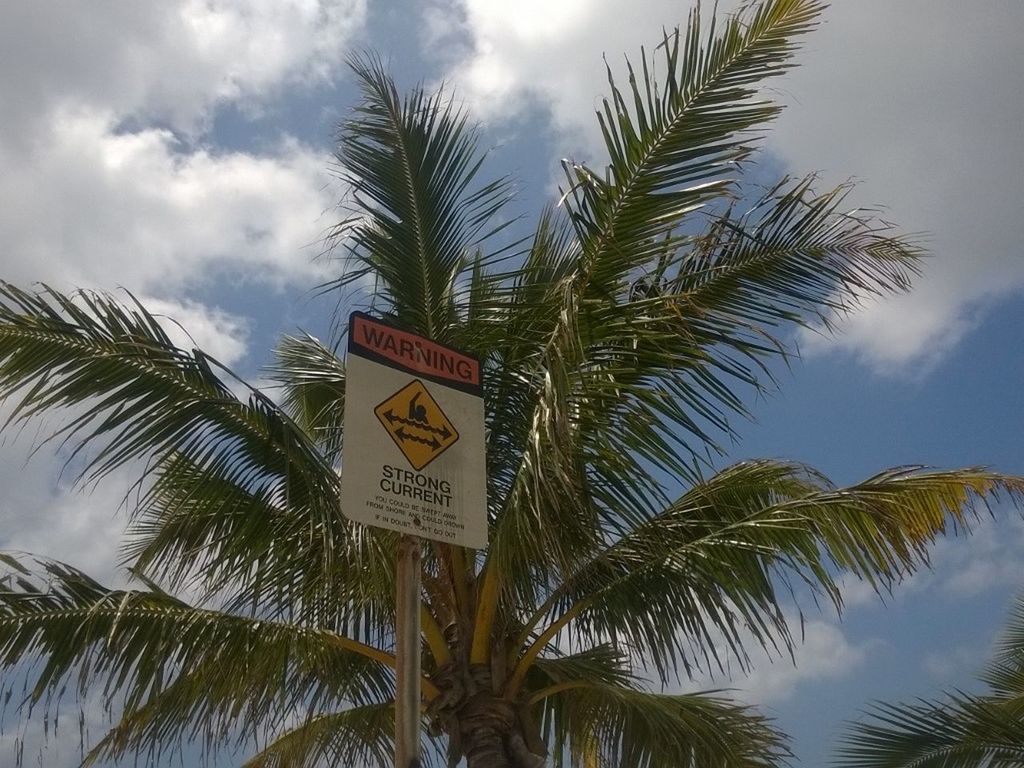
(416, 354)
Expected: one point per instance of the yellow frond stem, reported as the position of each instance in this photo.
(539, 645)
(457, 558)
(435, 637)
(551, 690)
(486, 607)
(430, 691)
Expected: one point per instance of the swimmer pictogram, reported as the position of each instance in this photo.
(416, 424)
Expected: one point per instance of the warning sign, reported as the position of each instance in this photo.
(417, 424)
(414, 461)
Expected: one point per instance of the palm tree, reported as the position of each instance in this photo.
(960, 729)
(616, 344)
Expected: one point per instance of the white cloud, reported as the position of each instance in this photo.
(60, 738)
(821, 652)
(43, 514)
(856, 592)
(962, 566)
(955, 663)
(108, 177)
(916, 99)
(824, 654)
(890, 333)
(91, 206)
(991, 557)
(513, 54)
(78, 527)
(168, 62)
(190, 324)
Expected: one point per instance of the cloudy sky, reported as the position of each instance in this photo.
(182, 150)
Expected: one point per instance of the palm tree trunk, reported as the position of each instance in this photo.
(486, 749)
(491, 737)
(484, 722)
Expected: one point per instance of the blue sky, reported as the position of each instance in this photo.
(182, 151)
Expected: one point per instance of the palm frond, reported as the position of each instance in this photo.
(960, 732)
(705, 572)
(542, 524)
(956, 731)
(412, 165)
(1010, 647)
(138, 395)
(361, 736)
(178, 672)
(267, 546)
(647, 332)
(216, 467)
(313, 379)
(615, 351)
(664, 364)
(794, 255)
(607, 725)
(511, 329)
(675, 148)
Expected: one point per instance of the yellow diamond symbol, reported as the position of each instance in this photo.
(417, 424)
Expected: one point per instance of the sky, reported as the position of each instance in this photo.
(182, 151)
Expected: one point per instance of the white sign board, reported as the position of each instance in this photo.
(413, 456)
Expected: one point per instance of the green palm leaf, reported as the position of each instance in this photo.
(229, 483)
(412, 164)
(195, 526)
(179, 673)
(313, 380)
(646, 333)
(675, 149)
(668, 358)
(704, 573)
(609, 725)
(957, 731)
(358, 736)
(145, 397)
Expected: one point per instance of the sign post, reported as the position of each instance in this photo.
(413, 462)
(407, 654)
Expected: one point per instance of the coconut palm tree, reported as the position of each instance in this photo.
(958, 730)
(617, 342)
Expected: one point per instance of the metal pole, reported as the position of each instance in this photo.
(407, 654)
